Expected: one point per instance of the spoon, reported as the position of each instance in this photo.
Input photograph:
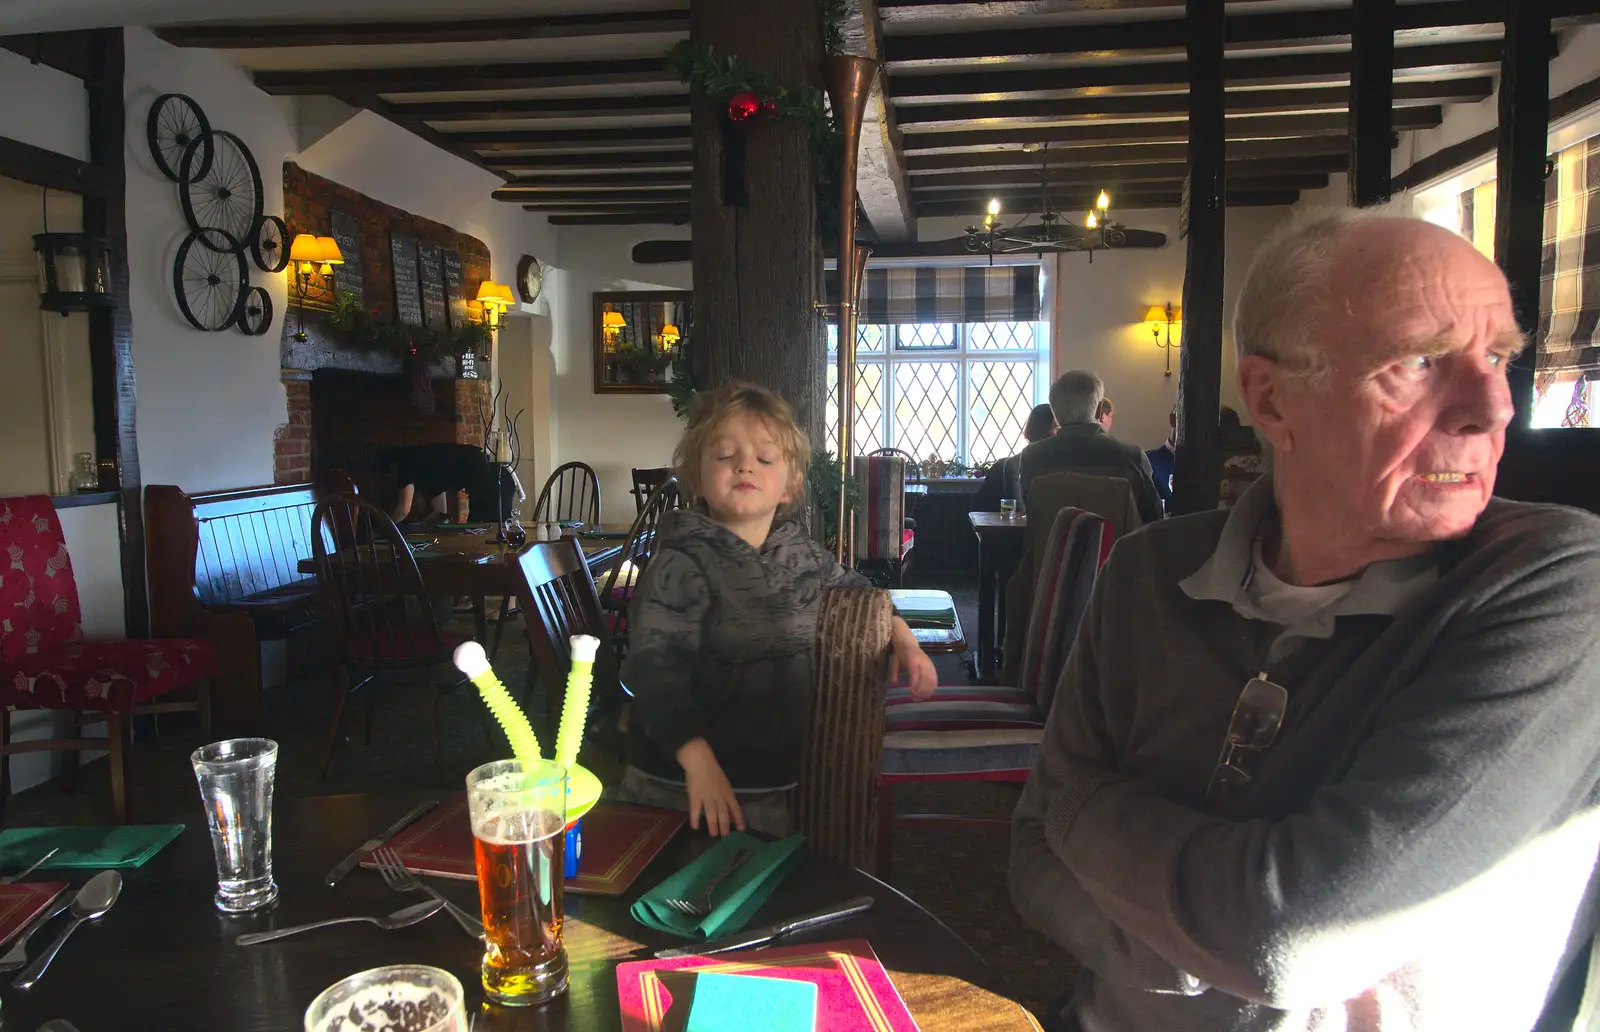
(401, 918)
(93, 900)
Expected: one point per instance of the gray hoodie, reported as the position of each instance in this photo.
(720, 647)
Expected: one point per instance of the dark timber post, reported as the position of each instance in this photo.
(1198, 469)
(1519, 198)
(758, 267)
(111, 330)
(1371, 101)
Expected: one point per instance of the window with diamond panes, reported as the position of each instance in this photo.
(944, 390)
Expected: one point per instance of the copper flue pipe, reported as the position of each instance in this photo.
(849, 83)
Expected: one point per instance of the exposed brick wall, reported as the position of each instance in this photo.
(309, 200)
(291, 442)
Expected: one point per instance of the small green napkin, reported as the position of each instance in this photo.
(129, 845)
(737, 898)
(734, 1003)
(937, 616)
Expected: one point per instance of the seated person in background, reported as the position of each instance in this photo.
(1242, 459)
(1161, 460)
(1083, 446)
(1004, 479)
(421, 474)
(1104, 413)
(1355, 787)
(723, 622)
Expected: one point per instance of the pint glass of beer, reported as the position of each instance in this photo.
(518, 815)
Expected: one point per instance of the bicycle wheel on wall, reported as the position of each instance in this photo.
(209, 279)
(175, 122)
(227, 196)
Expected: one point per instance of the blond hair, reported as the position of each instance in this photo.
(712, 410)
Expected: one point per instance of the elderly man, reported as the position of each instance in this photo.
(1329, 760)
(1082, 445)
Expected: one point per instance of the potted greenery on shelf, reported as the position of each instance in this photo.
(822, 487)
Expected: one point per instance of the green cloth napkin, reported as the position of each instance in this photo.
(129, 845)
(936, 616)
(737, 898)
(735, 1003)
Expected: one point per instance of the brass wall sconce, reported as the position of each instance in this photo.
(496, 299)
(309, 253)
(1156, 317)
(611, 325)
(669, 338)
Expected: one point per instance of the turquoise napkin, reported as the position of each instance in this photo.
(936, 616)
(735, 1003)
(129, 845)
(737, 897)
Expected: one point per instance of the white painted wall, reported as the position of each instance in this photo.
(46, 108)
(611, 432)
(1102, 305)
(209, 402)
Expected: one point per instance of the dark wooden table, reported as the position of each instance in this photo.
(935, 641)
(474, 565)
(1000, 544)
(164, 958)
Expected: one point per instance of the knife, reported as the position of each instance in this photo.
(348, 864)
(764, 935)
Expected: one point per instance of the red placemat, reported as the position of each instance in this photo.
(619, 841)
(854, 993)
(22, 902)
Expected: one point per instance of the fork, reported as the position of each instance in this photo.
(12, 879)
(702, 907)
(399, 878)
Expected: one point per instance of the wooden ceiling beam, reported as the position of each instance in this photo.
(549, 107)
(247, 36)
(1119, 154)
(1327, 67)
(582, 205)
(674, 218)
(611, 161)
(378, 106)
(1330, 98)
(1154, 171)
(533, 139)
(1123, 193)
(616, 195)
(1171, 131)
(1166, 199)
(1412, 22)
(601, 181)
(451, 78)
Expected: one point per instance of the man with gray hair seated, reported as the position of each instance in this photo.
(1083, 445)
(1329, 760)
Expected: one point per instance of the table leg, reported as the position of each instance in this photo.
(480, 621)
(986, 607)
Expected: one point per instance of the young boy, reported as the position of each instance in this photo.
(722, 623)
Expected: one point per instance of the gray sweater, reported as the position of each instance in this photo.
(720, 647)
(1414, 852)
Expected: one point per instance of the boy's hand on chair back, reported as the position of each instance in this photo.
(709, 790)
(906, 656)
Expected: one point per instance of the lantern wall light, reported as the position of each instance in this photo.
(75, 269)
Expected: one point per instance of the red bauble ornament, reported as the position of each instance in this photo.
(743, 106)
(769, 108)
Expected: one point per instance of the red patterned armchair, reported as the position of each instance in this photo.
(884, 538)
(45, 662)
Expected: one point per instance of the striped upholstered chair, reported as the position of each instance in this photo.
(992, 732)
(884, 538)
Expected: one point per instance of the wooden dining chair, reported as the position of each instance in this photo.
(836, 802)
(884, 538)
(558, 599)
(617, 594)
(572, 492)
(992, 732)
(645, 482)
(380, 611)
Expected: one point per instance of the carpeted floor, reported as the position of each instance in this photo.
(959, 877)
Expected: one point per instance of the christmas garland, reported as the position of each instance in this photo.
(421, 343)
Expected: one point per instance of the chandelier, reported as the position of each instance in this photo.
(1053, 234)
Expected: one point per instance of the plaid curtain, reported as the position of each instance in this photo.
(944, 294)
(1569, 287)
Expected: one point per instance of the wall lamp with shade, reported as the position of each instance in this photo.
(1156, 317)
(611, 325)
(309, 253)
(496, 299)
(670, 335)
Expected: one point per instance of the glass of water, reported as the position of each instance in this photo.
(1008, 507)
(398, 998)
(236, 789)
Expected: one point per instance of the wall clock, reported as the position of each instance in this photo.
(530, 278)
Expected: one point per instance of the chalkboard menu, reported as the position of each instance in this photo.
(433, 304)
(347, 277)
(455, 289)
(407, 289)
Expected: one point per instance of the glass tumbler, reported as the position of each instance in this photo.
(398, 998)
(236, 779)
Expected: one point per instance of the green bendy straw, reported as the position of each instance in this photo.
(471, 660)
(575, 708)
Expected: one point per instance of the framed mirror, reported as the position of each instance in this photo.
(637, 336)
